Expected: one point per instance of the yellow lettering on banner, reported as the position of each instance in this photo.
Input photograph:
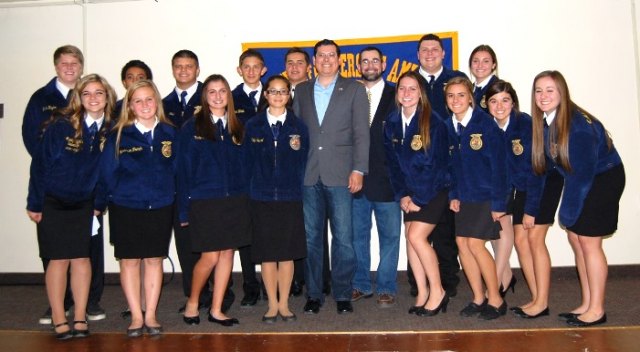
(398, 68)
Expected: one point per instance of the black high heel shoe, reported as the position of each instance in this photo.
(512, 286)
(65, 335)
(416, 309)
(431, 312)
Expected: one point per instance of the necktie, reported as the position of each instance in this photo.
(93, 129)
(477, 93)
(460, 129)
(148, 137)
(544, 121)
(69, 94)
(432, 78)
(370, 117)
(406, 128)
(220, 126)
(275, 130)
(183, 99)
(252, 97)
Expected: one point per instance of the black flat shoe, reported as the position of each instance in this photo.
(65, 335)
(472, 309)
(511, 286)
(583, 324)
(515, 309)
(567, 316)
(223, 322)
(524, 315)
(191, 320)
(80, 332)
(135, 332)
(289, 318)
(490, 312)
(153, 330)
(269, 320)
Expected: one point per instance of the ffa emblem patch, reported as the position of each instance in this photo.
(483, 103)
(416, 142)
(103, 140)
(517, 147)
(476, 141)
(294, 141)
(166, 149)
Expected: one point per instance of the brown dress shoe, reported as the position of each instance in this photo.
(386, 300)
(357, 295)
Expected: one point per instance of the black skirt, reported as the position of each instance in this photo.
(432, 212)
(65, 229)
(218, 224)
(474, 220)
(554, 182)
(599, 216)
(278, 231)
(140, 233)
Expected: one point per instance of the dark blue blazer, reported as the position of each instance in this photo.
(63, 166)
(435, 92)
(478, 162)
(479, 97)
(41, 104)
(520, 173)
(209, 169)
(276, 171)
(242, 103)
(377, 184)
(173, 107)
(143, 175)
(420, 174)
(589, 155)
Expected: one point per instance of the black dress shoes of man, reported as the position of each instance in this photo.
(250, 299)
(344, 307)
(296, 288)
(312, 306)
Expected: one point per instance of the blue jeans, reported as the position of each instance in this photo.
(318, 201)
(388, 221)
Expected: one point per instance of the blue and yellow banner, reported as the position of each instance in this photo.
(400, 53)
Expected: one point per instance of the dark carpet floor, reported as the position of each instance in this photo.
(22, 305)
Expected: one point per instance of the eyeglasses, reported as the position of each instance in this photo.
(277, 92)
(375, 61)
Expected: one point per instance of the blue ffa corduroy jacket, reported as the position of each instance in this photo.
(242, 103)
(589, 155)
(63, 166)
(478, 162)
(209, 169)
(435, 93)
(479, 97)
(520, 173)
(142, 176)
(276, 170)
(415, 172)
(173, 107)
(42, 103)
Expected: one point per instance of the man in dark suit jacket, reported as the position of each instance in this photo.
(336, 111)
(376, 195)
(430, 54)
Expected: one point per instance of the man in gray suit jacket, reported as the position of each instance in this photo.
(336, 111)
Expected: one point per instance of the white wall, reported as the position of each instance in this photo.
(593, 42)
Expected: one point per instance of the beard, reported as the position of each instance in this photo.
(372, 76)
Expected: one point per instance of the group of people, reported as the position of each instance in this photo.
(264, 167)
